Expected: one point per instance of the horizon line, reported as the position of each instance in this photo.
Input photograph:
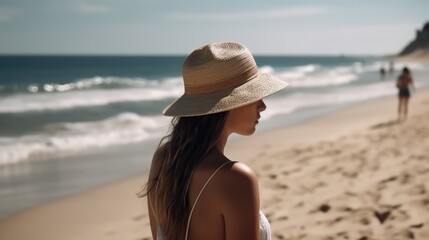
(185, 54)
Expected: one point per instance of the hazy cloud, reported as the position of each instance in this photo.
(8, 14)
(262, 14)
(94, 8)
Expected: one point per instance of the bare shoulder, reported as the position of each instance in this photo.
(236, 173)
(240, 171)
(238, 201)
(239, 182)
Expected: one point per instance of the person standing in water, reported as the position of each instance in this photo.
(404, 83)
(382, 73)
(194, 191)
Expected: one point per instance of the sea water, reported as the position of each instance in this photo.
(58, 113)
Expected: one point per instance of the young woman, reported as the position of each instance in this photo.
(194, 191)
(404, 83)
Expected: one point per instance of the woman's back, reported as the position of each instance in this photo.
(231, 198)
(404, 80)
(228, 196)
(207, 220)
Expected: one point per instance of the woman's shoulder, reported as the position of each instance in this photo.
(238, 191)
(238, 177)
(241, 170)
(229, 169)
(233, 170)
(227, 178)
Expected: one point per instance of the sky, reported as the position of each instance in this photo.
(152, 27)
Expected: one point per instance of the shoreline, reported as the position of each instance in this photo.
(418, 56)
(113, 212)
(135, 156)
(39, 180)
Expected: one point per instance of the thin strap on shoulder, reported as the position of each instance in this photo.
(199, 194)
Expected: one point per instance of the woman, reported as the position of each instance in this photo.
(194, 191)
(403, 84)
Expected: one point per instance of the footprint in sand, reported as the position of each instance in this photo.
(384, 124)
(390, 179)
(138, 217)
(280, 186)
(419, 225)
(382, 216)
(399, 215)
(291, 171)
(419, 189)
(404, 234)
(282, 218)
(272, 176)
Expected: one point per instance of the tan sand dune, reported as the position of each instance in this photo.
(421, 56)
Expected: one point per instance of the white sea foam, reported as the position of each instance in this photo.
(266, 69)
(308, 68)
(68, 138)
(345, 95)
(88, 98)
(316, 76)
(313, 75)
(376, 66)
(100, 82)
(87, 94)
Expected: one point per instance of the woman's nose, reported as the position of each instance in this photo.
(261, 106)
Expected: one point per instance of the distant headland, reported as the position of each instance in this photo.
(418, 49)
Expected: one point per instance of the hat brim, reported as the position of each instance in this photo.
(253, 90)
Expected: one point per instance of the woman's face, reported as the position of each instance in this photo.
(243, 120)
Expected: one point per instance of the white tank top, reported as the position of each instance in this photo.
(264, 225)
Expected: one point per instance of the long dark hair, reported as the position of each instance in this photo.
(178, 154)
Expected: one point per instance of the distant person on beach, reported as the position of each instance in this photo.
(194, 191)
(404, 83)
(382, 73)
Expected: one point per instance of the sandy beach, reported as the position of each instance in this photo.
(421, 56)
(353, 174)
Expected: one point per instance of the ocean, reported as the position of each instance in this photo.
(65, 119)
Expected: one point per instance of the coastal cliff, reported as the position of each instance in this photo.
(418, 49)
(421, 42)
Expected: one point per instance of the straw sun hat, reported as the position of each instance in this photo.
(219, 77)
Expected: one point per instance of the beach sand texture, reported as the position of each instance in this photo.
(355, 174)
(368, 185)
(421, 55)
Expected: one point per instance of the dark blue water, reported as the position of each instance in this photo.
(24, 70)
